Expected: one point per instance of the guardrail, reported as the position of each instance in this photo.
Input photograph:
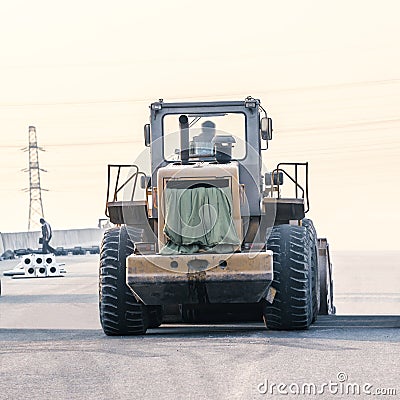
(61, 238)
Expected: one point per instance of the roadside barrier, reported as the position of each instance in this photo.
(61, 238)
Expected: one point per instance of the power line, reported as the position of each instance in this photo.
(209, 96)
(69, 144)
(366, 125)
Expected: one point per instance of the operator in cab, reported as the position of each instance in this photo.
(202, 146)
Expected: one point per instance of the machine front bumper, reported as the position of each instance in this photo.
(200, 278)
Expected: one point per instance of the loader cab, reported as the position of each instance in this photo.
(207, 136)
(209, 132)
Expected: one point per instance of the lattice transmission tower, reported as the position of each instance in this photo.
(35, 190)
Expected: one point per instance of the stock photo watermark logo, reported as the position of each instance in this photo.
(339, 386)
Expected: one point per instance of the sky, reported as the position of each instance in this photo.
(84, 73)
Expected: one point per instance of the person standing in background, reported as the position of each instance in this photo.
(46, 237)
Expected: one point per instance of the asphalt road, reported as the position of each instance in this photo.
(52, 347)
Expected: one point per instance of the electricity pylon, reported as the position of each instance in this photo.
(35, 190)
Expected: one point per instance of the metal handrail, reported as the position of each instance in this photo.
(134, 176)
(294, 180)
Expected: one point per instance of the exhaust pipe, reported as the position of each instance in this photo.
(184, 131)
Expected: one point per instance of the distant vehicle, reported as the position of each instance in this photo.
(7, 255)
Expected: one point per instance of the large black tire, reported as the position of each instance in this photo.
(316, 299)
(326, 287)
(120, 312)
(292, 307)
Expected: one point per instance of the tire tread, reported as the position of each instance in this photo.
(120, 312)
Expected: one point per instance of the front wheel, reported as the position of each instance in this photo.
(292, 307)
(120, 312)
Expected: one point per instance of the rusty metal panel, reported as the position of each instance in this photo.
(200, 278)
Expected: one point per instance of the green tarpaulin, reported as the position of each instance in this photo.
(199, 219)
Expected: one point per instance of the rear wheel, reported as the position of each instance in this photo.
(120, 312)
(326, 281)
(292, 307)
(308, 224)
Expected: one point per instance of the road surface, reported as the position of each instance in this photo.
(52, 347)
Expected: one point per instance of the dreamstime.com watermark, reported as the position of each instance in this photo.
(340, 386)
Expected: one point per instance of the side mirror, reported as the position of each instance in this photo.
(266, 128)
(278, 178)
(147, 137)
(145, 181)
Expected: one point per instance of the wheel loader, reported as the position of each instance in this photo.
(206, 234)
